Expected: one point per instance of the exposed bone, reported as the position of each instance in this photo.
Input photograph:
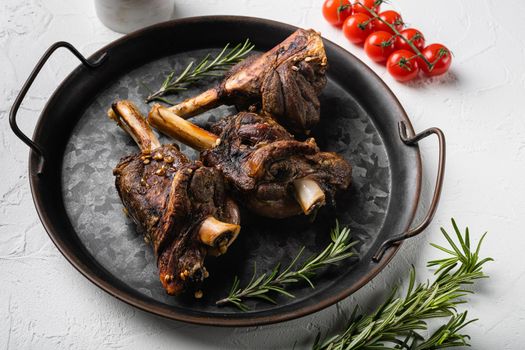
(309, 194)
(128, 117)
(218, 234)
(172, 125)
(198, 104)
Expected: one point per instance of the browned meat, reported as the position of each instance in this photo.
(180, 206)
(263, 161)
(283, 83)
(271, 172)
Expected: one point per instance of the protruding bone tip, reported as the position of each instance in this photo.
(309, 194)
(218, 235)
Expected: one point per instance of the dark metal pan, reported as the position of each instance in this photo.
(74, 148)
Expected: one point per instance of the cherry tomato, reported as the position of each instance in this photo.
(336, 11)
(371, 4)
(358, 27)
(391, 17)
(440, 56)
(402, 65)
(379, 45)
(413, 35)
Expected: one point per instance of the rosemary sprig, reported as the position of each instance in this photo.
(395, 324)
(207, 67)
(261, 287)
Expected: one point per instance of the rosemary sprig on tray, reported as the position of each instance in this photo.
(395, 324)
(205, 68)
(276, 281)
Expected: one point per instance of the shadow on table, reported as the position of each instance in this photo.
(448, 79)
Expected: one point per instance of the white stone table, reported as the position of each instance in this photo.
(46, 304)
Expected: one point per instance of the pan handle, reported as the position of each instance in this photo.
(18, 100)
(413, 140)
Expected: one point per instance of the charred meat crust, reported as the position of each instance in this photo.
(261, 160)
(168, 196)
(282, 83)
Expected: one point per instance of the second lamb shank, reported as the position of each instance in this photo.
(273, 174)
(180, 206)
(283, 83)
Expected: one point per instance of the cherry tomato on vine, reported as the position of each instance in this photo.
(336, 11)
(413, 35)
(371, 4)
(358, 27)
(438, 55)
(391, 17)
(403, 65)
(379, 45)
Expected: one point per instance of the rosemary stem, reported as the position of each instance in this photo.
(153, 96)
(262, 286)
(205, 68)
(397, 322)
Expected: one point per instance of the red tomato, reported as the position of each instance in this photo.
(414, 36)
(358, 27)
(379, 45)
(391, 17)
(371, 4)
(439, 56)
(403, 65)
(336, 11)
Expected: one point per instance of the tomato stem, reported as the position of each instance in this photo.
(365, 23)
(386, 43)
(403, 63)
(398, 33)
(341, 8)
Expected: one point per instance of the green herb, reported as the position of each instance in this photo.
(396, 323)
(205, 68)
(261, 287)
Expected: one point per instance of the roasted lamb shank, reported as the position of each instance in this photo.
(283, 83)
(180, 206)
(273, 174)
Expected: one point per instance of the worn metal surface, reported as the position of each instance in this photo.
(96, 213)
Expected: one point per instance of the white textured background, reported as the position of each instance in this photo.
(46, 304)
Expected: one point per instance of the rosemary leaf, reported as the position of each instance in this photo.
(207, 67)
(276, 282)
(395, 323)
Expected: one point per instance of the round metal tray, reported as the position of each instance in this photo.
(75, 146)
